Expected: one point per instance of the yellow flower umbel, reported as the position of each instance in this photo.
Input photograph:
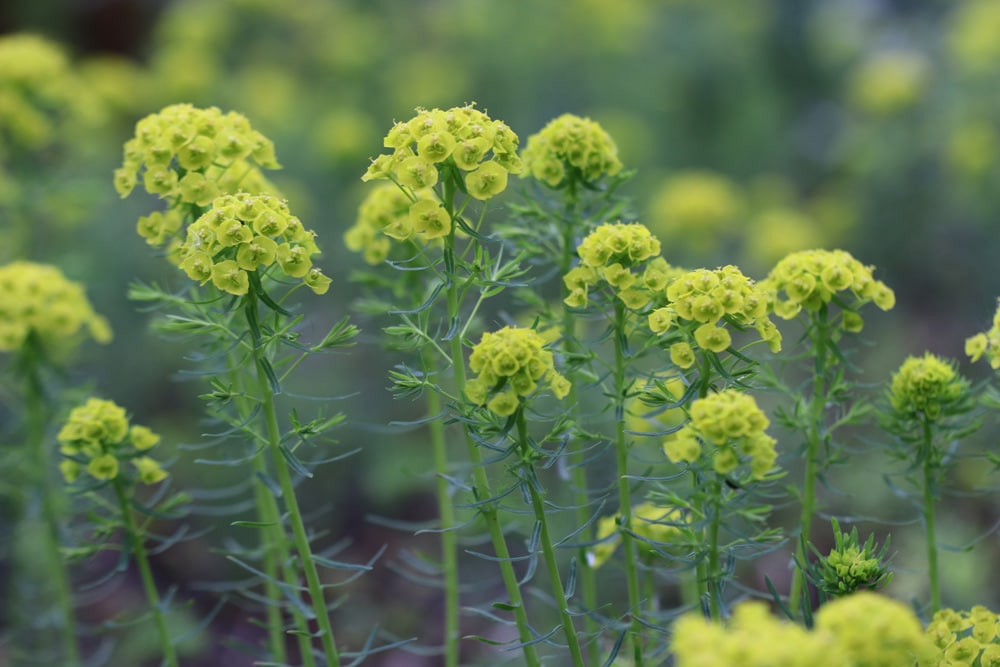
(753, 638)
(242, 234)
(986, 344)
(38, 300)
(655, 525)
(872, 630)
(695, 209)
(732, 426)
(388, 213)
(191, 156)
(482, 151)
(569, 149)
(619, 255)
(699, 301)
(890, 82)
(510, 364)
(809, 279)
(97, 438)
(927, 386)
(964, 638)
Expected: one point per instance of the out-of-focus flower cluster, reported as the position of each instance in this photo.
(809, 279)
(964, 638)
(986, 344)
(98, 438)
(242, 233)
(860, 630)
(625, 257)
(570, 145)
(731, 425)
(38, 300)
(927, 386)
(510, 364)
(655, 526)
(191, 156)
(484, 151)
(695, 208)
(707, 297)
(388, 212)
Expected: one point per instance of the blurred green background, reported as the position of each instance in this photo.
(756, 127)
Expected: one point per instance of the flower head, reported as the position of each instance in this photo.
(986, 344)
(97, 437)
(889, 635)
(618, 255)
(38, 300)
(656, 526)
(570, 145)
(511, 364)
(927, 386)
(810, 278)
(732, 428)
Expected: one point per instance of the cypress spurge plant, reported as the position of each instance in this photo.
(443, 161)
(825, 289)
(105, 458)
(243, 246)
(929, 412)
(43, 318)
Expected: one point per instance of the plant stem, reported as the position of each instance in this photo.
(558, 592)
(481, 482)
(932, 551)
(714, 583)
(301, 540)
(819, 332)
(624, 492)
(139, 551)
(578, 473)
(449, 542)
(35, 417)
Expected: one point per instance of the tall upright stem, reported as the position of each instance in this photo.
(714, 583)
(624, 491)
(446, 511)
(146, 574)
(814, 436)
(299, 535)
(481, 482)
(35, 416)
(932, 551)
(555, 579)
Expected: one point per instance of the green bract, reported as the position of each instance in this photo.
(97, 438)
(570, 143)
(510, 364)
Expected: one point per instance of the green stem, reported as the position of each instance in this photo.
(549, 553)
(624, 492)
(446, 510)
(932, 551)
(701, 583)
(35, 409)
(714, 583)
(814, 437)
(578, 475)
(139, 551)
(481, 482)
(300, 538)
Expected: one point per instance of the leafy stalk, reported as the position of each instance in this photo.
(929, 464)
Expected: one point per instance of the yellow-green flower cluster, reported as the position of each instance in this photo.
(926, 385)
(38, 300)
(625, 257)
(570, 143)
(860, 630)
(964, 638)
(242, 233)
(732, 425)
(652, 523)
(484, 151)
(36, 86)
(890, 82)
(189, 155)
(390, 213)
(986, 344)
(510, 364)
(810, 278)
(695, 208)
(706, 297)
(98, 438)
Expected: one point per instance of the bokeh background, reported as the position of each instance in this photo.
(756, 127)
